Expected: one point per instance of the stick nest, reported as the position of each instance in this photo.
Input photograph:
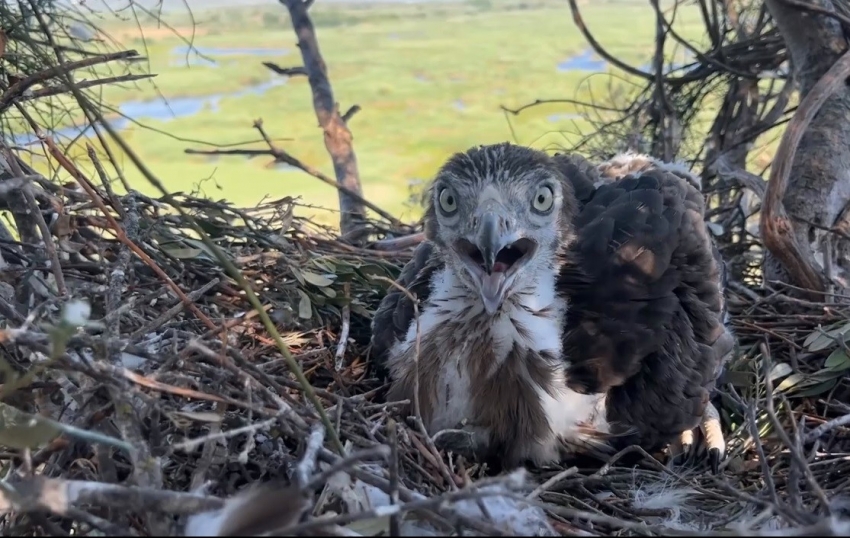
(112, 379)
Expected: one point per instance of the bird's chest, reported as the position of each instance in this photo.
(453, 395)
(482, 375)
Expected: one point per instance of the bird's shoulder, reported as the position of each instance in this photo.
(580, 173)
(395, 313)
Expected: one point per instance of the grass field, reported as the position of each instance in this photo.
(430, 79)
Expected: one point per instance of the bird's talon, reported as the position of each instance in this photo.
(714, 460)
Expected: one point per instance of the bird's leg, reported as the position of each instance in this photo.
(687, 446)
(681, 448)
(713, 434)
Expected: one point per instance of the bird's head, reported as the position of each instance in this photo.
(500, 214)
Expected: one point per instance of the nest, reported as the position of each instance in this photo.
(143, 385)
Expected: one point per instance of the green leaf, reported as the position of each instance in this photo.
(317, 279)
(183, 253)
(813, 336)
(371, 269)
(200, 416)
(825, 374)
(818, 389)
(201, 245)
(827, 339)
(780, 369)
(837, 360)
(370, 527)
(297, 274)
(360, 310)
(325, 265)
(22, 430)
(7, 373)
(305, 310)
(789, 382)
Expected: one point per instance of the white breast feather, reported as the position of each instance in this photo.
(564, 411)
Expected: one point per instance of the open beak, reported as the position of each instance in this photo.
(494, 257)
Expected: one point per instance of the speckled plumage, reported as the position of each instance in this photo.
(611, 322)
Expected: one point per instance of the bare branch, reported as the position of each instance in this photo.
(338, 139)
(286, 71)
(777, 232)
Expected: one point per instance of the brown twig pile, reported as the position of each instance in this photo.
(147, 370)
(145, 378)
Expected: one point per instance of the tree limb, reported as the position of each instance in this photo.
(776, 229)
(58, 496)
(337, 135)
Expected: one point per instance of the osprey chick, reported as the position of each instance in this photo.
(504, 368)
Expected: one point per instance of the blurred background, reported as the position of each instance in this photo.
(431, 77)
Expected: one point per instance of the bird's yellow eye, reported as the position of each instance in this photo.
(544, 198)
(448, 201)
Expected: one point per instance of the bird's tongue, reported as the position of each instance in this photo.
(490, 285)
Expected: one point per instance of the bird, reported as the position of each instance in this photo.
(558, 307)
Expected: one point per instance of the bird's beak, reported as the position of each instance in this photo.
(491, 283)
(490, 240)
(493, 258)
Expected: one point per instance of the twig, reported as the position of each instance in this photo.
(566, 473)
(191, 444)
(173, 311)
(18, 88)
(398, 243)
(46, 236)
(119, 231)
(407, 495)
(286, 157)
(780, 431)
(392, 434)
(58, 496)
(826, 427)
(343, 333)
(286, 71)
(308, 461)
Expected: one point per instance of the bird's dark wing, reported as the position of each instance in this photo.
(580, 173)
(395, 313)
(645, 302)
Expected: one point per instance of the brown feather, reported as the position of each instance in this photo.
(646, 284)
(506, 405)
(267, 508)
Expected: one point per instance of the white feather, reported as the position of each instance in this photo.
(564, 411)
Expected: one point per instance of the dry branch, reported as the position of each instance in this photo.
(776, 229)
(338, 139)
(19, 88)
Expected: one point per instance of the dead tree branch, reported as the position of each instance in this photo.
(816, 187)
(286, 71)
(776, 227)
(338, 139)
